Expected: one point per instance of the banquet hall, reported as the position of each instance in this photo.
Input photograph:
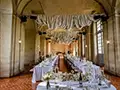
(43, 42)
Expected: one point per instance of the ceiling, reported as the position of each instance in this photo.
(62, 7)
(58, 7)
(118, 5)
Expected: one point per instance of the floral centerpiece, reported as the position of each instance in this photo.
(66, 76)
(71, 76)
(47, 77)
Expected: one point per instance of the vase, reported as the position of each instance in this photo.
(48, 85)
(80, 84)
(80, 81)
(100, 81)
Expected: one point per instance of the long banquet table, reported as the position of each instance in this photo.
(74, 85)
(39, 70)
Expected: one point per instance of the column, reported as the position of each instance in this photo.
(106, 45)
(117, 41)
(80, 45)
(22, 47)
(37, 47)
(86, 46)
(17, 47)
(83, 44)
(49, 47)
(5, 37)
(43, 44)
(111, 48)
(89, 43)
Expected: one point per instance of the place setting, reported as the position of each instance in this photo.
(73, 78)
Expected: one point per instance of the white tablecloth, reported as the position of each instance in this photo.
(40, 70)
(72, 84)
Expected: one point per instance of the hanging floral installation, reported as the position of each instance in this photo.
(64, 28)
(62, 36)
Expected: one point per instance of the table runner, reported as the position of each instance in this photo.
(73, 84)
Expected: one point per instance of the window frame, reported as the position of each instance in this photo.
(99, 35)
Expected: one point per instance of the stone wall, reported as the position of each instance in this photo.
(11, 32)
(30, 34)
(112, 49)
(111, 32)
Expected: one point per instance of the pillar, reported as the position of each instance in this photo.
(5, 37)
(37, 47)
(17, 47)
(117, 41)
(80, 46)
(89, 43)
(112, 49)
(43, 44)
(83, 44)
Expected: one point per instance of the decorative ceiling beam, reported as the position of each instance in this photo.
(20, 6)
(114, 2)
(102, 7)
(25, 6)
(19, 3)
(14, 4)
(41, 7)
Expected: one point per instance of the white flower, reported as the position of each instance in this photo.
(47, 76)
(62, 36)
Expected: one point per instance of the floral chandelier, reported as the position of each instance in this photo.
(64, 28)
(62, 36)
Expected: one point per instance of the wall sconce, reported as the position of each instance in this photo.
(20, 41)
(108, 42)
(86, 46)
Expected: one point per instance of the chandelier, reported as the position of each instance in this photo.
(62, 28)
(62, 36)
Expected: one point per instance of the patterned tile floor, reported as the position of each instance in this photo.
(23, 82)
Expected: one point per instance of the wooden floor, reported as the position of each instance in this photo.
(115, 80)
(23, 82)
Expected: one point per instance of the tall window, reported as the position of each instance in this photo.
(100, 37)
